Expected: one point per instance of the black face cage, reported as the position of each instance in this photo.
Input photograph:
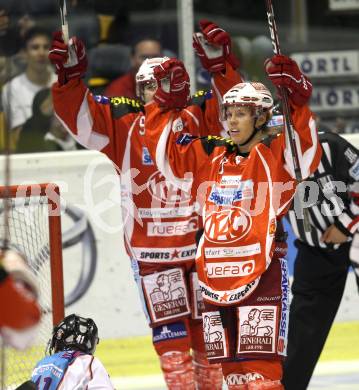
(76, 333)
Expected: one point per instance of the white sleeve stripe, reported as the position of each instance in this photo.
(271, 212)
(193, 116)
(86, 136)
(126, 180)
(306, 160)
(162, 161)
(219, 102)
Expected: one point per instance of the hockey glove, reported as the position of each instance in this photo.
(15, 265)
(70, 60)
(173, 88)
(213, 47)
(284, 72)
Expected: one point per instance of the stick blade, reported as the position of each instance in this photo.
(63, 11)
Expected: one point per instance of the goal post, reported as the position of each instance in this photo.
(34, 229)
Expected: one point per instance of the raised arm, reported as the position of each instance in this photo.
(89, 119)
(179, 156)
(284, 72)
(214, 49)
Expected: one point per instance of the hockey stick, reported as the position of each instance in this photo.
(288, 128)
(65, 32)
(64, 23)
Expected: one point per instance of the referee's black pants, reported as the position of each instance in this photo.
(319, 281)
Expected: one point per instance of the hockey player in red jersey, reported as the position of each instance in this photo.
(249, 184)
(160, 220)
(20, 312)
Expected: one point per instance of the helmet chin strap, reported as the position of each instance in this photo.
(254, 132)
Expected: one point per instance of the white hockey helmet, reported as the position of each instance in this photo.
(145, 73)
(250, 94)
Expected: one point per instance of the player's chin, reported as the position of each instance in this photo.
(235, 135)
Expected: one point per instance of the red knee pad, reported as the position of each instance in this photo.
(207, 376)
(178, 371)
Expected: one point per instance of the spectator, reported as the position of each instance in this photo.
(126, 84)
(113, 18)
(11, 61)
(43, 132)
(18, 94)
(340, 125)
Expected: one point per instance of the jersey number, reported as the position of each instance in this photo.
(45, 383)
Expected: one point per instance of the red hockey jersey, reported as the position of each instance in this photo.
(160, 219)
(244, 195)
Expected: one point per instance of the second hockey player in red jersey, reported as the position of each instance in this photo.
(250, 184)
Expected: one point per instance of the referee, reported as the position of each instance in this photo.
(323, 257)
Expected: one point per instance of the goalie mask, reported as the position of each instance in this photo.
(74, 332)
(144, 76)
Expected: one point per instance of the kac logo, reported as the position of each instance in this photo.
(227, 225)
(163, 191)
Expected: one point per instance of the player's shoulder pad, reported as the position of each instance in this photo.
(200, 97)
(211, 142)
(120, 105)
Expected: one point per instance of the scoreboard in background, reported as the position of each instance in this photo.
(341, 98)
(325, 64)
(343, 5)
(335, 78)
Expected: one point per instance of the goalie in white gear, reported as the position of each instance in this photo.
(70, 361)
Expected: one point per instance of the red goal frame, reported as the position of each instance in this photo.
(55, 244)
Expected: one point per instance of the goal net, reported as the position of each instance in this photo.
(34, 229)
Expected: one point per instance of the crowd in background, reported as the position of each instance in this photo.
(118, 37)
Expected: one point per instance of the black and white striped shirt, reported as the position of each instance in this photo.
(339, 163)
